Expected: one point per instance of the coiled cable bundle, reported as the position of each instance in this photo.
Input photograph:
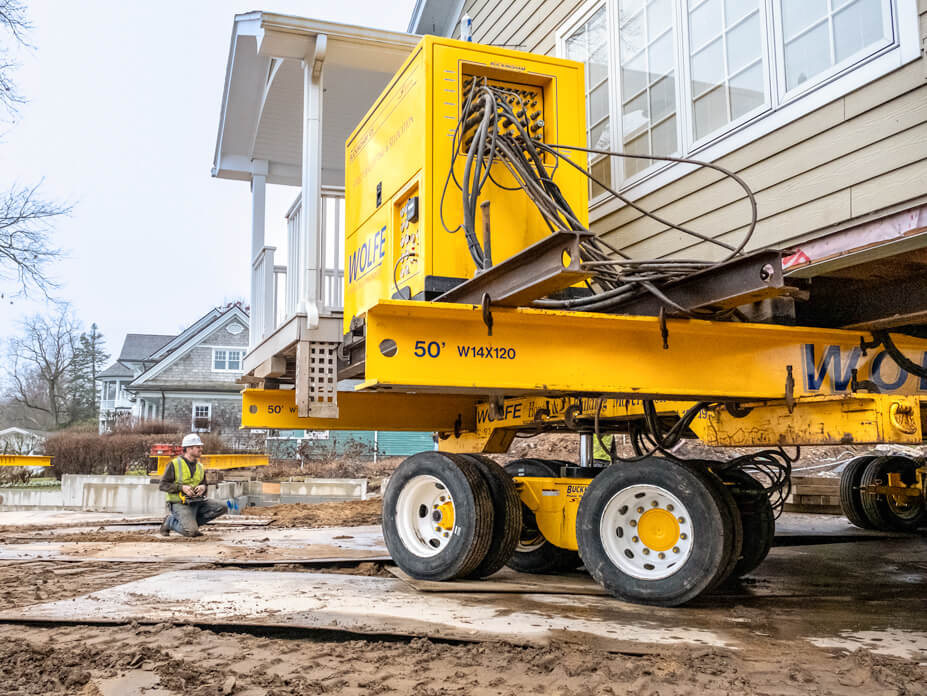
(494, 127)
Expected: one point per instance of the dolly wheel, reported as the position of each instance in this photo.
(507, 515)
(655, 532)
(437, 516)
(756, 517)
(889, 512)
(850, 501)
(533, 553)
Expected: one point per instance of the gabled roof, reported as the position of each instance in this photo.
(117, 369)
(139, 347)
(181, 338)
(234, 311)
(22, 431)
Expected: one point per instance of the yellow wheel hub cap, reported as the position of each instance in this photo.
(447, 515)
(658, 529)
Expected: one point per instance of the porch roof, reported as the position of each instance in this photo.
(261, 117)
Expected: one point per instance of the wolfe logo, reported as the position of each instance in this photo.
(368, 256)
(835, 367)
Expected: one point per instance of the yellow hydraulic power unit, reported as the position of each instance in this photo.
(403, 235)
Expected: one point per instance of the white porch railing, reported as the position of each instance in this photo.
(112, 404)
(331, 218)
(263, 317)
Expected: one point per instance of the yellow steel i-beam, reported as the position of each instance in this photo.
(276, 408)
(24, 460)
(416, 346)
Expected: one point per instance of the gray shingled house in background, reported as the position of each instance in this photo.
(188, 379)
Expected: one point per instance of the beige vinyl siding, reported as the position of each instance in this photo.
(530, 26)
(860, 156)
(853, 157)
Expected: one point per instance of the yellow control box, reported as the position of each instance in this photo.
(400, 201)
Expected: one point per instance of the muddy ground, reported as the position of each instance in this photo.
(107, 660)
(353, 513)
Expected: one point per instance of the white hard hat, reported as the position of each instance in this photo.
(191, 440)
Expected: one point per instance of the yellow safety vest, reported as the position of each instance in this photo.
(597, 452)
(185, 477)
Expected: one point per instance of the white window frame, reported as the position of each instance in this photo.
(196, 405)
(227, 349)
(782, 106)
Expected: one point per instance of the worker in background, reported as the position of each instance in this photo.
(184, 481)
(603, 449)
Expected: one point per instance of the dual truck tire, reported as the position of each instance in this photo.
(655, 532)
(879, 511)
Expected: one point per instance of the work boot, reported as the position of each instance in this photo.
(165, 527)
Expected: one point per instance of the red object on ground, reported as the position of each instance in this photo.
(166, 450)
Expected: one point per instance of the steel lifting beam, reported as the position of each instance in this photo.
(24, 460)
(276, 408)
(440, 347)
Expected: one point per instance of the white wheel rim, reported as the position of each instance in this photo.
(421, 516)
(652, 547)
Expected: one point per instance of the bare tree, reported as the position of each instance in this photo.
(25, 219)
(15, 25)
(25, 247)
(40, 364)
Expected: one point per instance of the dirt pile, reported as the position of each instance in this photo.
(351, 513)
(196, 662)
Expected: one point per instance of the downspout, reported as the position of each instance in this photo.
(163, 399)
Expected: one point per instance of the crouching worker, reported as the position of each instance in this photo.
(184, 481)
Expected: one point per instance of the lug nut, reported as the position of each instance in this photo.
(635, 539)
(661, 555)
(675, 549)
(633, 523)
(653, 503)
(640, 510)
(670, 507)
(683, 536)
(646, 552)
(682, 520)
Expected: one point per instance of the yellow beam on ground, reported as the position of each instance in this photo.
(441, 347)
(24, 460)
(220, 461)
(275, 408)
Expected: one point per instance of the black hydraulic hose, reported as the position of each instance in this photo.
(900, 358)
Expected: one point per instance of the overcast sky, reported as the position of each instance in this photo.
(122, 116)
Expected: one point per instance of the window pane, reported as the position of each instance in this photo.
(634, 116)
(234, 360)
(602, 171)
(735, 9)
(597, 66)
(744, 44)
(219, 360)
(707, 68)
(634, 76)
(598, 103)
(659, 17)
(661, 56)
(628, 8)
(664, 137)
(600, 136)
(807, 56)
(710, 112)
(704, 23)
(801, 14)
(747, 91)
(857, 26)
(576, 45)
(638, 146)
(663, 97)
(632, 38)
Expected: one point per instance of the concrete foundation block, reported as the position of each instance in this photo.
(30, 498)
(72, 485)
(129, 500)
(333, 489)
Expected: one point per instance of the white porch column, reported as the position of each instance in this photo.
(312, 175)
(258, 217)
